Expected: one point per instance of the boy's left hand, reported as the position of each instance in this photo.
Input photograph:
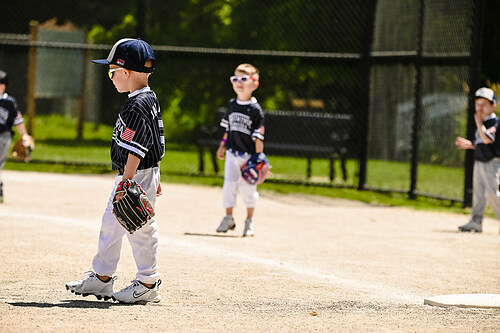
(118, 196)
(158, 190)
(220, 152)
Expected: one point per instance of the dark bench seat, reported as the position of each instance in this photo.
(292, 133)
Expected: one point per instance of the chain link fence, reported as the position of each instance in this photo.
(399, 75)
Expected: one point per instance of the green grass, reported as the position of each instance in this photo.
(57, 150)
(431, 179)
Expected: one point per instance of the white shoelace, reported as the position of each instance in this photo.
(93, 275)
(88, 274)
(134, 284)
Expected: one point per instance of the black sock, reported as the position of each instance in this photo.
(154, 285)
(102, 279)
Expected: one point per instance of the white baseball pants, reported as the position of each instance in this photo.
(144, 242)
(234, 182)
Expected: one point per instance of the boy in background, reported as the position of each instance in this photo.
(10, 117)
(244, 136)
(485, 181)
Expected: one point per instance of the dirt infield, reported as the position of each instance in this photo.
(315, 264)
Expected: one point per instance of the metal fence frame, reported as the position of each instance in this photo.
(366, 59)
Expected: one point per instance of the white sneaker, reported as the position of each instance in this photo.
(226, 224)
(137, 293)
(249, 228)
(471, 226)
(91, 285)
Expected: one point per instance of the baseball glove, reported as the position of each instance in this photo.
(23, 148)
(256, 169)
(134, 209)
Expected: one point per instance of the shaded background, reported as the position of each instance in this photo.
(404, 71)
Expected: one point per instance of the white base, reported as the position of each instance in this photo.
(491, 301)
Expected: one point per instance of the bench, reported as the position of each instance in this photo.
(291, 133)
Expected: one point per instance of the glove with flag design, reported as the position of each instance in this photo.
(256, 169)
(133, 210)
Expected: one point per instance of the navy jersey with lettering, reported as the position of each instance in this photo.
(485, 152)
(243, 122)
(139, 131)
(9, 114)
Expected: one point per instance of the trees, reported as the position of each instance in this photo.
(191, 85)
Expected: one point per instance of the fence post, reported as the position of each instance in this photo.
(82, 99)
(142, 18)
(363, 160)
(417, 117)
(475, 68)
(30, 96)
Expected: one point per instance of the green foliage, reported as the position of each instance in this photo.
(99, 35)
(193, 86)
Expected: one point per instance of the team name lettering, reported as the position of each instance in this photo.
(240, 122)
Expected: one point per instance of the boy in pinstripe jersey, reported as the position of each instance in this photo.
(137, 147)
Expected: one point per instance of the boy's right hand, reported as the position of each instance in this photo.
(133, 210)
(220, 152)
(462, 143)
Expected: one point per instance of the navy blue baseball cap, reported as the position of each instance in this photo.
(131, 54)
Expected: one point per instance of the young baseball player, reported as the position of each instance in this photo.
(486, 159)
(137, 147)
(9, 117)
(244, 136)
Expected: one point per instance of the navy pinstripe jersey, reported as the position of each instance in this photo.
(139, 131)
(486, 152)
(244, 122)
(9, 114)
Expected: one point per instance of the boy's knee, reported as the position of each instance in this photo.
(493, 197)
(251, 200)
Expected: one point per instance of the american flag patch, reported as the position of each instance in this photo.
(128, 134)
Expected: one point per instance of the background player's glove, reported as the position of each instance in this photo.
(255, 170)
(23, 148)
(134, 209)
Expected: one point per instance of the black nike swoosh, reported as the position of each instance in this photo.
(137, 295)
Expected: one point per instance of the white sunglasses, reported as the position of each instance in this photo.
(111, 71)
(245, 78)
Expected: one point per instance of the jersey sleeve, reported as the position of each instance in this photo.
(9, 114)
(18, 119)
(259, 128)
(224, 122)
(492, 131)
(134, 134)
